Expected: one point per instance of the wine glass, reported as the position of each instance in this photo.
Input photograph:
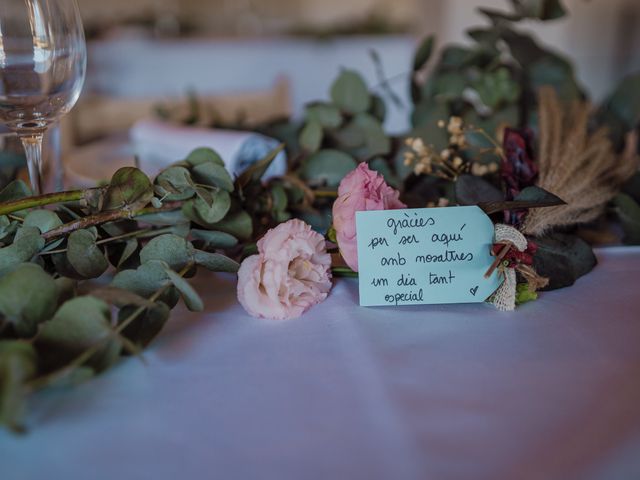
(43, 59)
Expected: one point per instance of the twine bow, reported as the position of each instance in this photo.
(510, 239)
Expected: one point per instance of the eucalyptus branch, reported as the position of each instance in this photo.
(88, 353)
(144, 233)
(48, 199)
(105, 217)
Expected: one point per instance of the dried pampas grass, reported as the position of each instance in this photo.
(578, 166)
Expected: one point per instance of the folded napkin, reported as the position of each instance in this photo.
(159, 144)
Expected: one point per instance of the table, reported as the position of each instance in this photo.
(551, 391)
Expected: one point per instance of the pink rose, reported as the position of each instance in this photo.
(290, 274)
(361, 190)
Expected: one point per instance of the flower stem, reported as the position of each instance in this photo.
(343, 272)
(42, 200)
(105, 217)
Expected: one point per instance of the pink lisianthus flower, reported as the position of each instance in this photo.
(290, 273)
(361, 190)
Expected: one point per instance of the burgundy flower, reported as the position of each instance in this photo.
(518, 168)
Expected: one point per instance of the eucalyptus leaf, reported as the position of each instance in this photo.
(328, 167)
(215, 262)
(325, 114)
(172, 249)
(120, 297)
(26, 244)
(563, 259)
(129, 188)
(204, 155)
(279, 199)
(375, 139)
(423, 53)
(175, 184)
(238, 224)
(214, 239)
(7, 227)
(43, 220)
(173, 217)
(211, 206)
(213, 174)
(79, 324)
(18, 365)
(147, 325)
(191, 298)
(378, 108)
(84, 255)
(144, 280)
(16, 190)
(472, 190)
(311, 136)
(28, 296)
(349, 92)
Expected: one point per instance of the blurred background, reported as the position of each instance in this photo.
(164, 47)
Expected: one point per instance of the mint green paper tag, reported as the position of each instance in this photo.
(424, 256)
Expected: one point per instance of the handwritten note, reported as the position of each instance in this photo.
(425, 255)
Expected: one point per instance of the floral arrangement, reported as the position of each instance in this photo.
(502, 124)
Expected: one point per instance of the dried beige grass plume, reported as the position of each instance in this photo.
(579, 167)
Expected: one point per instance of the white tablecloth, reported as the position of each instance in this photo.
(551, 391)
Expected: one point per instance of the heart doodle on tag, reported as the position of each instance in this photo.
(474, 290)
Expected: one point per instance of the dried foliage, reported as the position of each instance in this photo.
(579, 166)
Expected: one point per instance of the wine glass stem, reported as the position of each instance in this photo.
(32, 144)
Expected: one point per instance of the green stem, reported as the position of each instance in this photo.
(88, 353)
(47, 199)
(343, 272)
(105, 217)
(325, 193)
(145, 233)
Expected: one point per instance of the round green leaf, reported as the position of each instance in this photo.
(215, 262)
(145, 280)
(84, 255)
(18, 365)
(191, 298)
(26, 244)
(175, 184)
(328, 167)
(172, 249)
(28, 296)
(325, 114)
(129, 188)
(43, 220)
(214, 175)
(214, 239)
(349, 92)
(238, 224)
(212, 206)
(79, 324)
(147, 325)
(375, 140)
(204, 155)
(15, 191)
(311, 136)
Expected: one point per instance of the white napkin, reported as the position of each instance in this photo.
(159, 144)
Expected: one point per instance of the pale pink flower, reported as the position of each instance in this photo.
(290, 273)
(361, 190)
